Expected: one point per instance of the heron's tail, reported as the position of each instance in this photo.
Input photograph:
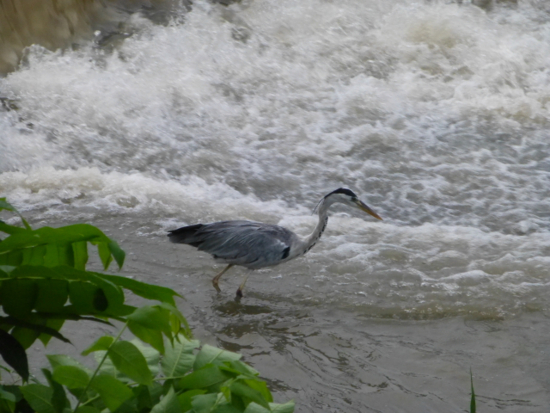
(185, 235)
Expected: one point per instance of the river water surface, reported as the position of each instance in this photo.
(435, 113)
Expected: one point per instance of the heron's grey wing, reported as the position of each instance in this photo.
(251, 244)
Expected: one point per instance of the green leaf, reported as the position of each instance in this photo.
(59, 398)
(143, 397)
(109, 250)
(80, 252)
(177, 319)
(57, 360)
(6, 405)
(10, 229)
(225, 407)
(203, 378)
(28, 331)
(48, 235)
(25, 336)
(100, 302)
(186, 397)
(204, 403)
(39, 397)
(59, 244)
(57, 254)
(168, 404)
(112, 391)
(117, 253)
(106, 366)
(87, 409)
(129, 361)
(152, 356)
(256, 408)
(240, 388)
(34, 271)
(287, 407)
(6, 395)
(212, 403)
(55, 325)
(96, 297)
(102, 343)
(238, 367)
(260, 386)
(72, 377)
(11, 258)
(148, 396)
(179, 358)
(274, 408)
(104, 254)
(149, 291)
(153, 317)
(147, 335)
(7, 206)
(34, 256)
(18, 296)
(8, 399)
(209, 354)
(82, 295)
(14, 354)
(83, 287)
(52, 295)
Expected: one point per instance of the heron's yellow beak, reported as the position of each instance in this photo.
(364, 207)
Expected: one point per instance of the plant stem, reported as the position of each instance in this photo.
(90, 400)
(473, 398)
(168, 378)
(99, 366)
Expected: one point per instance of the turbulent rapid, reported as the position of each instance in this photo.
(436, 114)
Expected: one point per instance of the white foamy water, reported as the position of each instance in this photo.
(436, 114)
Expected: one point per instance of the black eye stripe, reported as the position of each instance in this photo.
(344, 191)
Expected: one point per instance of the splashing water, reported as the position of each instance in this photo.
(437, 114)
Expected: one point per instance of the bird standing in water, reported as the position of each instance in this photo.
(257, 245)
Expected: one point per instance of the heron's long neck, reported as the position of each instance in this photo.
(310, 241)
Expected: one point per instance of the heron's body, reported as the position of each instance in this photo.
(238, 242)
(257, 245)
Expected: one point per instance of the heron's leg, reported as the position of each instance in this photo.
(241, 287)
(217, 277)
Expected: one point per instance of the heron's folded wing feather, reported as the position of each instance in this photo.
(245, 243)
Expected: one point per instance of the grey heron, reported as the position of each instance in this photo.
(257, 245)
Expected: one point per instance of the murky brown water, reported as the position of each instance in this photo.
(333, 360)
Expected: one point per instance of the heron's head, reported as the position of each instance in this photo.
(348, 197)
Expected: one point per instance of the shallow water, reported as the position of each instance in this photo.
(338, 356)
(436, 114)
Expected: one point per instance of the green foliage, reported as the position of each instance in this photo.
(177, 382)
(133, 377)
(473, 398)
(43, 282)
